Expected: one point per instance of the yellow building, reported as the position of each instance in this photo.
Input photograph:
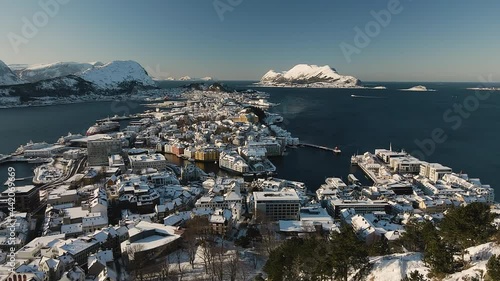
(207, 155)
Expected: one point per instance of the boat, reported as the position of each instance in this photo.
(337, 150)
(104, 127)
(352, 179)
(38, 160)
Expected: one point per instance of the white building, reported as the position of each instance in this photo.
(407, 164)
(143, 161)
(233, 161)
(116, 161)
(434, 171)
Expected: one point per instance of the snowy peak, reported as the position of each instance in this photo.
(305, 75)
(38, 72)
(185, 78)
(7, 76)
(271, 75)
(114, 74)
(305, 71)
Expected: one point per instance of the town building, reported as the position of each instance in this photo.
(100, 149)
(276, 206)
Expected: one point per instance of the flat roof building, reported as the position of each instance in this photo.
(276, 206)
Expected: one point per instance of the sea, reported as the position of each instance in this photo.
(453, 126)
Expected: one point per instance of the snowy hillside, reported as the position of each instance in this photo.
(114, 74)
(38, 72)
(313, 76)
(396, 267)
(7, 76)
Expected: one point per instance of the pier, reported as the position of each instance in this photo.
(319, 147)
(369, 173)
(18, 179)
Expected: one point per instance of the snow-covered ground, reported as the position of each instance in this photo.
(397, 266)
(247, 268)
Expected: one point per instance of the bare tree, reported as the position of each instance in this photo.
(164, 272)
(218, 261)
(135, 264)
(244, 270)
(178, 258)
(233, 265)
(196, 230)
(269, 236)
(206, 254)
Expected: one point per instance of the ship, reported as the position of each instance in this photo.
(104, 127)
(38, 160)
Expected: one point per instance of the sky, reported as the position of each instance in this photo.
(424, 40)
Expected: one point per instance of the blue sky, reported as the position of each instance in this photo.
(454, 40)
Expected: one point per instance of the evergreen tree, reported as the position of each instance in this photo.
(468, 226)
(414, 276)
(439, 256)
(346, 253)
(380, 247)
(413, 239)
(493, 267)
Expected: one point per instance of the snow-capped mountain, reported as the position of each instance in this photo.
(313, 76)
(185, 78)
(38, 72)
(7, 76)
(117, 73)
(206, 78)
(98, 81)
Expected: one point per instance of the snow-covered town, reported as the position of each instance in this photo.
(111, 206)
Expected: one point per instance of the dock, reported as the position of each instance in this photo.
(318, 147)
(18, 179)
(369, 173)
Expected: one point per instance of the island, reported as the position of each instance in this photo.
(484, 89)
(418, 88)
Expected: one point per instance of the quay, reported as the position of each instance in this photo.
(18, 179)
(4, 158)
(369, 173)
(356, 161)
(11, 158)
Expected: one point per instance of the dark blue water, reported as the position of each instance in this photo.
(329, 117)
(21, 125)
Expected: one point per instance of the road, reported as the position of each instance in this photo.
(51, 185)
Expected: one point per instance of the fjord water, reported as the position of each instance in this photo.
(328, 117)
